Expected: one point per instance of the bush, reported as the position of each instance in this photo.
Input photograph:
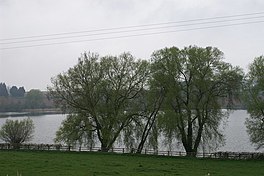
(16, 132)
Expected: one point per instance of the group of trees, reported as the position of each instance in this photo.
(35, 99)
(17, 92)
(179, 94)
(13, 91)
(16, 99)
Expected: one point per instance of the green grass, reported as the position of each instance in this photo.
(33, 163)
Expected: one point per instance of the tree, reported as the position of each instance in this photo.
(103, 90)
(194, 79)
(34, 99)
(16, 132)
(17, 92)
(14, 91)
(3, 90)
(21, 92)
(254, 98)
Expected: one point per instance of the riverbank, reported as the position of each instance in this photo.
(120, 150)
(31, 112)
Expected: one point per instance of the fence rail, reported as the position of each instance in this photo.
(58, 147)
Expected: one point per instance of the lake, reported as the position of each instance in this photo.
(237, 139)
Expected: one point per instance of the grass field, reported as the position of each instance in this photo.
(33, 163)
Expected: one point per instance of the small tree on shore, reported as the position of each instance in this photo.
(16, 132)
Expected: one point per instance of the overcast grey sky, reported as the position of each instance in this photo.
(33, 67)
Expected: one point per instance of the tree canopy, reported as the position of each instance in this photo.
(34, 99)
(76, 130)
(103, 90)
(195, 80)
(254, 98)
(16, 132)
(3, 90)
(179, 93)
(17, 92)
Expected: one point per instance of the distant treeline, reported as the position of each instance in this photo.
(17, 99)
(12, 92)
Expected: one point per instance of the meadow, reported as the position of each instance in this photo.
(53, 163)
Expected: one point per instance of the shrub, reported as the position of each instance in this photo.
(16, 132)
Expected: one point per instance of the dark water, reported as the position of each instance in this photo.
(237, 139)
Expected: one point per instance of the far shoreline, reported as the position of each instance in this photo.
(30, 112)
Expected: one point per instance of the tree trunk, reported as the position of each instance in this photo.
(145, 134)
(151, 120)
(198, 137)
(188, 143)
(140, 147)
(191, 153)
(16, 146)
(104, 148)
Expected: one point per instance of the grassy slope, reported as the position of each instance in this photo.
(80, 164)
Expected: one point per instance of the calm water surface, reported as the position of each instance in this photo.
(237, 139)
(45, 126)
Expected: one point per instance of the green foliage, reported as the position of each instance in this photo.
(254, 98)
(102, 89)
(82, 164)
(17, 101)
(120, 97)
(13, 91)
(75, 130)
(34, 99)
(17, 92)
(16, 132)
(3, 90)
(194, 80)
(143, 132)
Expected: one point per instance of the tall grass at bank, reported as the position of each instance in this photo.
(34, 163)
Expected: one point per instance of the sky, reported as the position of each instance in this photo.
(31, 66)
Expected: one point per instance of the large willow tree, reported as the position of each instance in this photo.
(102, 90)
(195, 80)
(254, 98)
